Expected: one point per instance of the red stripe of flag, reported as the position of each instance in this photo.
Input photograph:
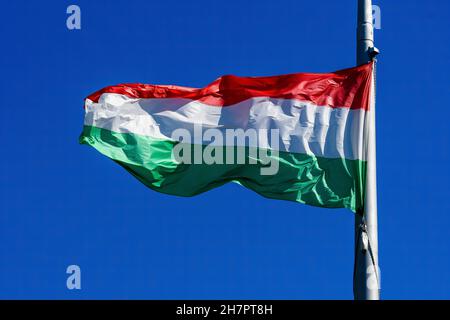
(348, 88)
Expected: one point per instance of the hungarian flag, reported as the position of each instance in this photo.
(299, 137)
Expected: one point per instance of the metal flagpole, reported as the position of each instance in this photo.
(366, 273)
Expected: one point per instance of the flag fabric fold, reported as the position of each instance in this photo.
(299, 137)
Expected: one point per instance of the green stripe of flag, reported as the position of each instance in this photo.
(316, 181)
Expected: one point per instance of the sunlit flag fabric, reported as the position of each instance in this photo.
(299, 137)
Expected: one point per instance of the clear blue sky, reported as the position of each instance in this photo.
(63, 203)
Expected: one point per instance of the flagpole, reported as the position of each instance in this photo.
(366, 273)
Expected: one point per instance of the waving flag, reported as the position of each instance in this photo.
(299, 137)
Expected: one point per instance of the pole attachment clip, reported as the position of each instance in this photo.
(373, 52)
